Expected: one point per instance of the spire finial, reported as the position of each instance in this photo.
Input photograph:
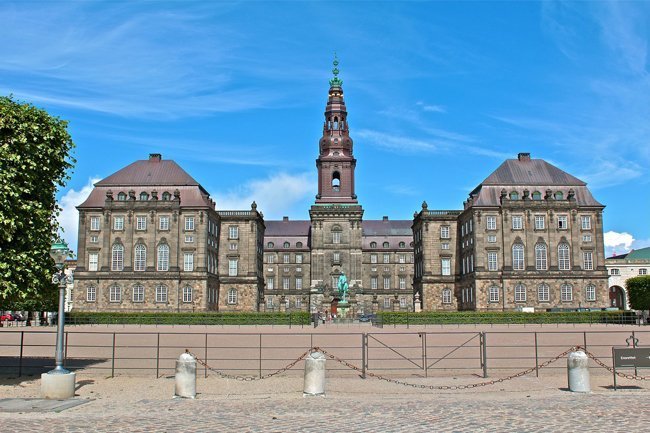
(336, 81)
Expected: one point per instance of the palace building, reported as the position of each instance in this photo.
(151, 239)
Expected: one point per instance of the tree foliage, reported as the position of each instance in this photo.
(34, 162)
(638, 292)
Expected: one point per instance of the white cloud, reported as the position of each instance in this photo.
(431, 107)
(275, 195)
(69, 217)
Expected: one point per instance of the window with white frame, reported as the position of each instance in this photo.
(163, 258)
(298, 303)
(233, 246)
(298, 283)
(163, 223)
(299, 258)
(563, 261)
(94, 239)
(93, 261)
(386, 302)
(232, 297)
(540, 222)
(336, 237)
(491, 223)
(541, 262)
(187, 294)
(444, 232)
(585, 222)
(494, 294)
(270, 258)
(562, 222)
(138, 293)
(586, 238)
(588, 260)
(189, 223)
(492, 239)
(232, 267)
(444, 246)
(517, 222)
(115, 294)
(373, 282)
(386, 283)
(518, 257)
(445, 265)
(286, 258)
(402, 282)
(270, 283)
(91, 294)
(141, 223)
(386, 258)
(520, 293)
(643, 271)
(543, 293)
(373, 258)
(94, 223)
(590, 292)
(614, 271)
(117, 258)
(286, 245)
(269, 302)
(492, 261)
(336, 257)
(118, 223)
(189, 239)
(446, 296)
(188, 262)
(285, 283)
(140, 258)
(161, 293)
(402, 302)
(233, 232)
(566, 293)
(401, 258)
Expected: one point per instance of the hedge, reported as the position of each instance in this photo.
(202, 318)
(505, 317)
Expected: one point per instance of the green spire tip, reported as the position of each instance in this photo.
(336, 81)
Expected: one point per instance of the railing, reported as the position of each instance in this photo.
(396, 353)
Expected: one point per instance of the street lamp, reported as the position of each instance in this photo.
(59, 252)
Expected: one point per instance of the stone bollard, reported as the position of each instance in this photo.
(314, 374)
(185, 383)
(578, 372)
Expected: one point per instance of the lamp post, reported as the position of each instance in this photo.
(59, 252)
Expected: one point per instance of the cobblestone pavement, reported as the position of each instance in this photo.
(525, 404)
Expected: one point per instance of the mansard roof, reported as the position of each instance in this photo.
(287, 228)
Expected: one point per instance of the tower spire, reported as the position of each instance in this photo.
(336, 81)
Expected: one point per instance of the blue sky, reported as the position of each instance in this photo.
(438, 95)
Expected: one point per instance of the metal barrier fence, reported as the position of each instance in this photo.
(421, 354)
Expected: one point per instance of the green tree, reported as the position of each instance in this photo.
(638, 292)
(34, 162)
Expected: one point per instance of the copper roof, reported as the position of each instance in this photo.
(149, 172)
(530, 172)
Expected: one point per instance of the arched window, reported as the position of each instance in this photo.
(140, 258)
(166, 196)
(336, 235)
(559, 195)
(563, 262)
(373, 244)
(270, 245)
(520, 293)
(518, 257)
(117, 258)
(232, 296)
(144, 196)
(566, 293)
(298, 244)
(286, 245)
(514, 195)
(543, 293)
(336, 123)
(336, 181)
(163, 257)
(537, 195)
(386, 245)
(402, 244)
(540, 257)
(121, 196)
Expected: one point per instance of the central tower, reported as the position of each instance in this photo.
(336, 216)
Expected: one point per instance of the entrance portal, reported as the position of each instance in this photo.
(617, 297)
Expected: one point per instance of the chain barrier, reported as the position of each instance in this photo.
(611, 369)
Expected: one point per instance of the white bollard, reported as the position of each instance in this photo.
(314, 374)
(185, 380)
(578, 372)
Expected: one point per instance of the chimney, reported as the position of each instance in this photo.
(156, 157)
(385, 218)
(285, 218)
(523, 156)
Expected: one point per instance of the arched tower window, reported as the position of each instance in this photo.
(336, 181)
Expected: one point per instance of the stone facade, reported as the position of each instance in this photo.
(621, 268)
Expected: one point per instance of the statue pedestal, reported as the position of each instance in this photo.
(342, 309)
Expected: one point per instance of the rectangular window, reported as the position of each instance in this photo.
(386, 258)
(373, 282)
(233, 232)
(94, 239)
(187, 294)
(188, 262)
(586, 238)
(118, 223)
(445, 266)
(614, 272)
(298, 258)
(270, 283)
(189, 239)
(94, 223)
(402, 258)
(232, 267)
(543, 293)
(138, 294)
(520, 293)
(373, 258)
(562, 222)
(587, 260)
(141, 223)
(402, 302)
(161, 294)
(492, 261)
(285, 283)
(232, 246)
(643, 271)
(492, 239)
(115, 294)
(270, 258)
(494, 294)
(336, 257)
(286, 258)
(591, 292)
(163, 223)
(386, 302)
(585, 221)
(269, 302)
(517, 223)
(540, 222)
(491, 223)
(336, 237)
(386, 283)
(402, 283)
(189, 223)
(446, 296)
(444, 245)
(93, 261)
(91, 294)
(298, 283)
(444, 232)
(566, 293)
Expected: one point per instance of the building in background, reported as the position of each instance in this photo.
(621, 268)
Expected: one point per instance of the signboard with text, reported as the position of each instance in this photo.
(629, 357)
